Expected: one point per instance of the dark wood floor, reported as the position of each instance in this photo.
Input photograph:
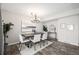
(12, 50)
(59, 48)
(56, 48)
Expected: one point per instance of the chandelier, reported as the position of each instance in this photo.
(35, 18)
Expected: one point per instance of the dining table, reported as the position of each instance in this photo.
(30, 36)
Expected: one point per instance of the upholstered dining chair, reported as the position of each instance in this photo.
(36, 39)
(22, 40)
(44, 38)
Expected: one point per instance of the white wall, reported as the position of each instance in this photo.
(62, 14)
(50, 27)
(13, 35)
(69, 36)
(65, 35)
(15, 19)
(38, 26)
(49, 23)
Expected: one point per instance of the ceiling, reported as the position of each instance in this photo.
(43, 10)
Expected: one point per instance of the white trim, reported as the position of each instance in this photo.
(69, 43)
(12, 43)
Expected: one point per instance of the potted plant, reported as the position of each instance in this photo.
(45, 28)
(6, 29)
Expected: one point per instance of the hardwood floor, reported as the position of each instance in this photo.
(12, 50)
(56, 48)
(59, 48)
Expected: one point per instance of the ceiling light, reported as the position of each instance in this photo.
(35, 18)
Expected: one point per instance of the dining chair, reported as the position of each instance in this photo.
(22, 40)
(44, 38)
(35, 40)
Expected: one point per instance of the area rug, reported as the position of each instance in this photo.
(30, 51)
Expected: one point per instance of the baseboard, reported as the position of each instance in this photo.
(13, 43)
(69, 43)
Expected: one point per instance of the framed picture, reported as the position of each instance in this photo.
(63, 26)
(70, 27)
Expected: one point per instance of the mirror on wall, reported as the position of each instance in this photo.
(52, 28)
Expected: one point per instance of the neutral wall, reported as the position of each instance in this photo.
(15, 19)
(13, 35)
(62, 35)
(39, 26)
(65, 35)
(62, 14)
(50, 27)
(49, 23)
(69, 36)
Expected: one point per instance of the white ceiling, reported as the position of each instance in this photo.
(44, 10)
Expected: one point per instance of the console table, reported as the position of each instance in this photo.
(52, 35)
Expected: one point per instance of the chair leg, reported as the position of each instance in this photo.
(43, 43)
(46, 41)
(20, 45)
(30, 45)
(34, 46)
(40, 44)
